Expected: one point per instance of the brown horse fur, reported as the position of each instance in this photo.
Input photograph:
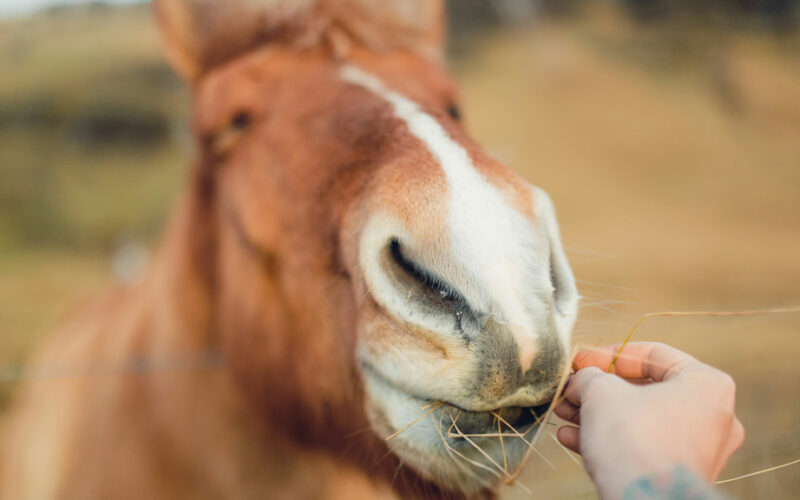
(239, 378)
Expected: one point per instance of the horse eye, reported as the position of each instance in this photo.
(454, 112)
(241, 120)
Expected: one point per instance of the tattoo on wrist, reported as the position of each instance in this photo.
(677, 483)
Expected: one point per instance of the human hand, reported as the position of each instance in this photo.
(661, 408)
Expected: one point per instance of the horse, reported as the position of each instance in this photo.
(344, 261)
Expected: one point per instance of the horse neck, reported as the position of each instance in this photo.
(181, 284)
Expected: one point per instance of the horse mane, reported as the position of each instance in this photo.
(203, 34)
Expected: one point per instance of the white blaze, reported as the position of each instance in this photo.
(496, 246)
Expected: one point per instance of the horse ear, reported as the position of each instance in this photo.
(202, 34)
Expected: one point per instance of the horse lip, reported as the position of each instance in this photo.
(509, 420)
(456, 420)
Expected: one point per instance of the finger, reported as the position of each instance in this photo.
(569, 436)
(639, 381)
(735, 440)
(579, 383)
(568, 412)
(639, 360)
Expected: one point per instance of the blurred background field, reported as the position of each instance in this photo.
(667, 133)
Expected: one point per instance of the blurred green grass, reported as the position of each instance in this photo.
(88, 110)
(93, 147)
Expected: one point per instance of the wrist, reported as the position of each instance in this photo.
(675, 482)
(616, 474)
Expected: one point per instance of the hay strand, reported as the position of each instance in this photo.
(502, 443)
(556, 400)
(480, 450)
(455, 453)
(435, 406)
(755, 312)
(522, 436)
(759, 472)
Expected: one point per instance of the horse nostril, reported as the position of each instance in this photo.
(564, 293)
(423, 277)
(557, 296)
(422, 286)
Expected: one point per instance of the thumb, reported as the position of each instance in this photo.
(586, 381)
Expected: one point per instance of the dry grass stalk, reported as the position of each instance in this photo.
(758, 472)
(514, 432)
(522, 437)
(556, 400)
(453, 452)
(480, 450)
(450, 429)
(756, 312)
(566, 451)
(433, 407)
(502, 444)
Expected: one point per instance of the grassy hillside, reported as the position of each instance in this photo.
(87, 109)
(92, 147)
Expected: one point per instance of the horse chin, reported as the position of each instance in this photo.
(459, 450)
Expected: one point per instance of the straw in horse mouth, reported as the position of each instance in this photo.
(460, 423)
(512, 419)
